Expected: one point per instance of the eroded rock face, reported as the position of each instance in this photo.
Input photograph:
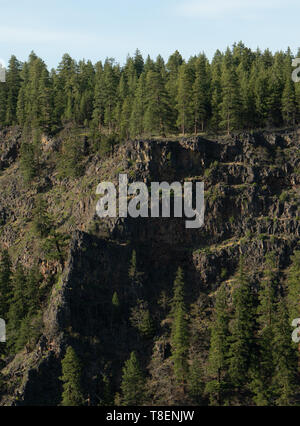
(252, 207)
(9, 147)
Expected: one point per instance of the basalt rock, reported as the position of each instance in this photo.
(252, 188)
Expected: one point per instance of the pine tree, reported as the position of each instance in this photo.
(173, 65)
(195, 382)
(218, 352)
(260, 77)
(141, 319)
(21, 103)
(34, 107)
(138, 63)
(138, 108)
(184, 97)
(98, 105)
(276, 85)
(85, 92)
(293, 286)
(216, 91)
(29, 160)
(135, 276)
(261, 384)
(110, 84)
(41, 221)
(157, 113)
(71, 377)
(13, 81)
(243, 349)
(31, 291)
(3, 99)
(289, 107)
(17, 308)
(64, 89)
(70, 160)
(115, 300)
(285, 359)
(5, 284)
(179, 331)
(230, 105)
(45, 102)
(247, 114)
(200, 98)
(107, 398)
(125, 118)
(133, 383)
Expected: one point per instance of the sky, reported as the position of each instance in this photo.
(97, 29)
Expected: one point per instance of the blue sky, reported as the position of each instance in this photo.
(96, 29)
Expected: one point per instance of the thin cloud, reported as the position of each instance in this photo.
(220, 8)
(41, 35)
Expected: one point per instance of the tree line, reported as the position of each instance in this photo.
(237, 89)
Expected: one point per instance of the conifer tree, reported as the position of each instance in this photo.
(110, 84)
(17, 307)
(261, 93)
(71, 377)
(125, 118)
(45, 101)
(21, 103)
(179, 332)
(3, 98)
(138, 108)
(70, 160)
(85, 92)
(135, 276)
(107, 398)
(141, 319)
(276, 83)
(133, 383)
(138, 63)
(293, 286)
(5, 284)
(261, 384)
(200, 98)
(184, 96)
(31, 291)
(99, 105)
(173, 65)
(157, 114)
(195, 382)
(115, 300)
(289, 107)
(285, 359)
(33, 91)
(13, 82)
(30, 154)
(247, 100)
(64, 93)
(41, 221)
(216, 91)
(230, 105)
(218, 352)
(243, 349)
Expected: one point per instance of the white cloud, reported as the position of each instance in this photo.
(220, 8)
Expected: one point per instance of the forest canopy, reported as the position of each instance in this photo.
(237, 89)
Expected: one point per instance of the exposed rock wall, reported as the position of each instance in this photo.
(252, 185)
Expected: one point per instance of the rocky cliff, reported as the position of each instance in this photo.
(252, 188)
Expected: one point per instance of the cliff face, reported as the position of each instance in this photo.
(252, 188)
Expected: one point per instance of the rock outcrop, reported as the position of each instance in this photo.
(252, 189)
